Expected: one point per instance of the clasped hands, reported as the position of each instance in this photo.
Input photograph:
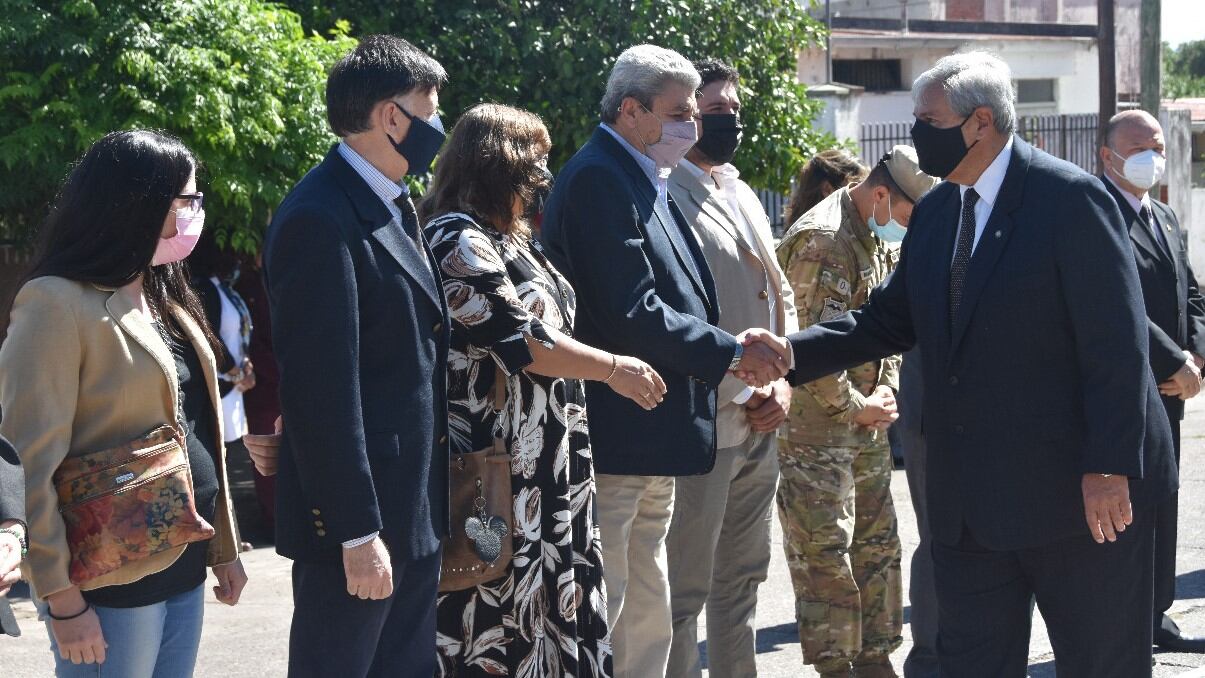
(1186, 382)
(767, 358)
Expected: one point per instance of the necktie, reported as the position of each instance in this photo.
(1144, 213)
(410, 225)
(962, 251)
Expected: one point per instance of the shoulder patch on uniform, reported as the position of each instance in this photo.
(833, 308)
(866, 273)
(843, 286)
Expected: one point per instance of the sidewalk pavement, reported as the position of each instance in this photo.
(251, 640)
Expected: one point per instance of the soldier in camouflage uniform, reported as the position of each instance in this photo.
(834, 498)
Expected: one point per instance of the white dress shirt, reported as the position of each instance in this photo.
(230, 331)
(988, 187)
(658, 177)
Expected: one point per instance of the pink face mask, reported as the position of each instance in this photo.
(189, 222)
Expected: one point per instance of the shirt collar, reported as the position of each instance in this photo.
(386, 189)
(646, 163)
(720, 175)
(989, 183)
(1135, 203)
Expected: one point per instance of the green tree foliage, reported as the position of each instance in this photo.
(238, 80)
(552, 57)
(1184, 70)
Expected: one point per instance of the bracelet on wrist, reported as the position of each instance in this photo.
(87, 606)
(614, 369)
(21, 536)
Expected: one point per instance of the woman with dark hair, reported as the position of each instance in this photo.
(512, 316)
(108, 388)
(826, 172)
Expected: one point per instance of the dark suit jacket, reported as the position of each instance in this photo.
(211, 303)
(643, 289)
(1043, 376)
(360, 331)
(1175, 310)
(12, 507)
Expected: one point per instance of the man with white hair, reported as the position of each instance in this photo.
(1133, 158)
(644, 289)
(1047, 446)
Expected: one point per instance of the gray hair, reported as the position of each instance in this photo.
(642, 72)
(971, 80)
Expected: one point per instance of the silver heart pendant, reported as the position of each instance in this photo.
(487, 537)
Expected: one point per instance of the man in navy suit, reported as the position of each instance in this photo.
(1133, 158)
(644, 289)
(361, 338)
(1047, 447)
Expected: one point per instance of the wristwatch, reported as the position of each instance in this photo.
(20, 535)
(736, 359)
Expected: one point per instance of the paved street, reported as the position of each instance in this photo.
(251, 639)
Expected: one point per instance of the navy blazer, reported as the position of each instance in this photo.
(359, 328)
(1043, 374)
(643, 289)
(1175, 310)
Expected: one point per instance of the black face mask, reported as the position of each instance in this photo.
(721, 137)
(938, 150)
(421, 144)
(540, 196)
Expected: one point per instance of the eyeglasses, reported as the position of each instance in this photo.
(195, 200)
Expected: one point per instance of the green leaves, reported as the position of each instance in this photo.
(239, 81)
(553, 57)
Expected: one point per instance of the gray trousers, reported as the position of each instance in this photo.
(922, 659)
(719, 552)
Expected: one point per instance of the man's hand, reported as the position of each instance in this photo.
(768, 408)
(265, 450)
(1106, 505)
(231, 580)
(10, 557)
(766, 359)
(879, 411)
(368, 570)
(1186, 382)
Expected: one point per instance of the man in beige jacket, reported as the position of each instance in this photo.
(719, 539)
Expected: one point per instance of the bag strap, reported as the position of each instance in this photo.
(499, 405)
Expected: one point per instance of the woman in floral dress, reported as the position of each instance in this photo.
(512, 311)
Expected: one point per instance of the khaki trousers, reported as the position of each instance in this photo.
(719, 553)
(633, 515)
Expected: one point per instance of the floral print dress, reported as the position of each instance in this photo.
(546, 618)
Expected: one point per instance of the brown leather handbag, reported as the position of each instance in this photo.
(482, 544)
(124, 504)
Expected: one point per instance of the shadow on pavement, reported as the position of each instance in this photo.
(1191, 585)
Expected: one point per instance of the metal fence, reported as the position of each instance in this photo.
(1070, 137)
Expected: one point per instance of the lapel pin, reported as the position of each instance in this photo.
(999, 234)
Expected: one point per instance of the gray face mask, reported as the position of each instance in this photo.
(676, 139)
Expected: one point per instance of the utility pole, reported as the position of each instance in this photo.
(1107, 66)
(1151, 57)
(828, 44)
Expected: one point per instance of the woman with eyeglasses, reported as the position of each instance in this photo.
(109, 390)
(512, 314)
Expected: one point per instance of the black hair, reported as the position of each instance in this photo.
(209, 260)
(108, 216)
(714, 70)
(380, 67)
(881, 176)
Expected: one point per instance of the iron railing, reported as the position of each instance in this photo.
(1070, 137)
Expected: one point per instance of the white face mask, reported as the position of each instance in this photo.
(1142, 169)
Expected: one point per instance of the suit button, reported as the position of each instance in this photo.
(319, 523)
(763, 295)
(953, 381)
(321, 532)
(443, 440)
(437, 327)
(316, 512)
(959, 429)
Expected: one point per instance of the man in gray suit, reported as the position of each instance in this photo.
(12, 530)
(719, 539)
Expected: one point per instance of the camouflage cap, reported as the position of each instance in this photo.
(905, 172)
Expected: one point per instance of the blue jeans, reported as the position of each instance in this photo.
(153, 641)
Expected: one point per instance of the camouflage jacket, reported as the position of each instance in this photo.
(832, 261)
